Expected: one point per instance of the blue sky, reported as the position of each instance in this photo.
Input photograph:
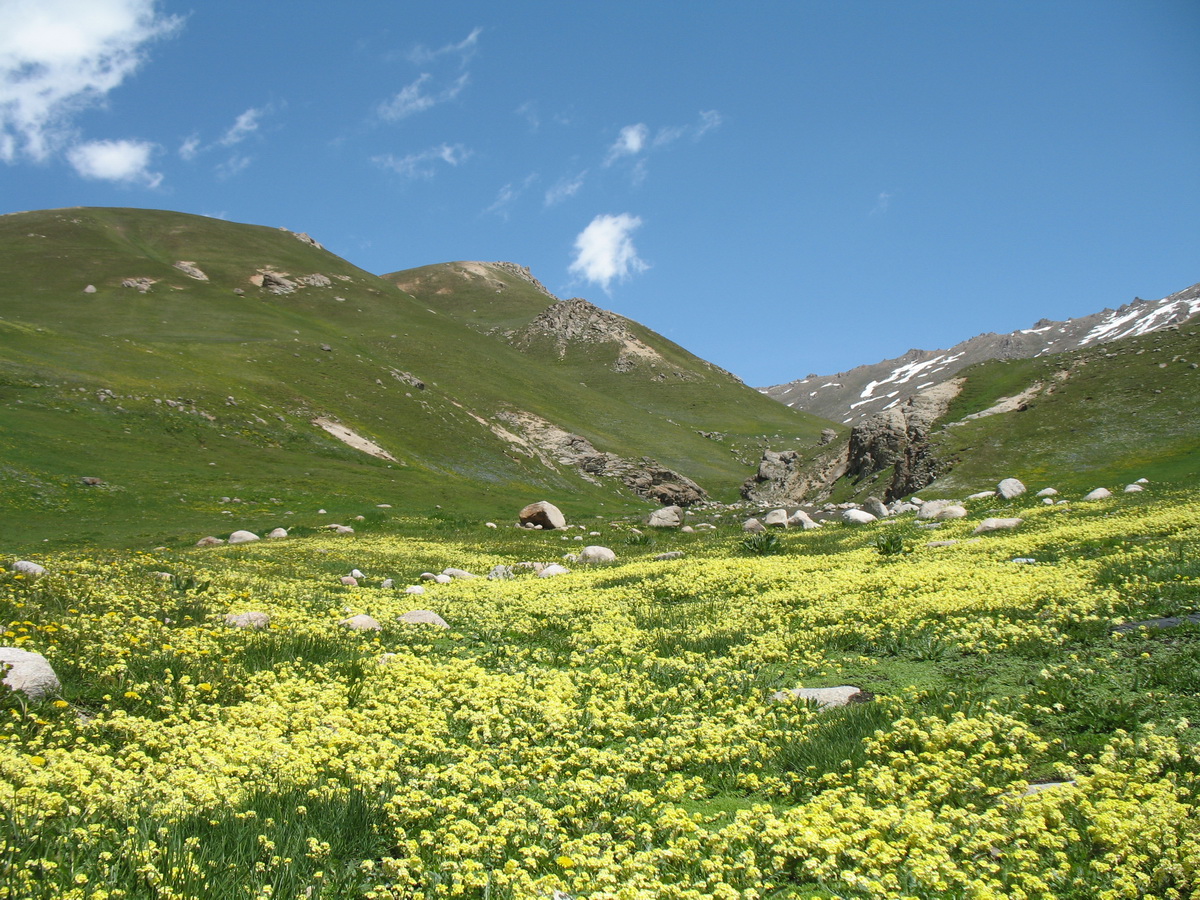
(782, 188)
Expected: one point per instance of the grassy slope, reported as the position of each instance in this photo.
(201, 343)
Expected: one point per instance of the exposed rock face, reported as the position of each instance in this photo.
(191, 270)
(552, 445)
(577, 321)
(783, 477)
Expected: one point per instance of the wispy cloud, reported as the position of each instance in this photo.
(508, 194)
(604, 251)
(882, 203)
(416, 97)
(126, 162)
(565, 188)
(464, 50)
(58, 57)
(244, 126)
(630, 142)
(423, 164)
(529, 112)
(236, 164)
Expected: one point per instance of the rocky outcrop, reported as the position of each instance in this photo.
(577, 321)
(554, 446)
(786, 478)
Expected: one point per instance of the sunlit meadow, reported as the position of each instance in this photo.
(611, 732)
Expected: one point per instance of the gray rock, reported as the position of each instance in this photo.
(857, 517)
(248, 620)
(553, 569)
(940, 543)
(899, 508)
(996, 525)
(753, 526)
(596, 556)
(361, 622)
(349, 581)
(1098, 494)
(25, 567)
(670, 554)
(442, 578)
(542, 514)
(277, 533)
(667, 517)
(953, 511)
(1133, 488)
(500, 573)
(825, 698)
(461, 574)
(776, 518)
(357, 573)
(209, 541)
(875, 507)
(388, 583)
(1047, 492)
(828, 436)
(424, 617)
(1010, 488)
(930, 508)
(803, 520)
(28, 672)
(982, 495)
(414, 589)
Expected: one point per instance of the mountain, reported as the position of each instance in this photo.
(203, 375)
(850, 397)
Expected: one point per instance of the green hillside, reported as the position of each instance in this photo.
(198, 390)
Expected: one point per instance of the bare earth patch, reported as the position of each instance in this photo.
(353, 439)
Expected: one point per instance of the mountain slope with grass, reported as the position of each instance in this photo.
(186, 363)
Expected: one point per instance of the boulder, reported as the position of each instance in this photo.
(825, 698)
(1098, 494)
(349, 581)
(596, 556)
(361, 622)
(462, 574)
(828, 436)
(387, 584)
(28, 672)
(667, 517)
(1010, 488)
(209, 541)
(982, 495)
(753, 526)
(900, 507)
(553, 569)
(248, 620)
(940, 543)
(91, 481)
(25, 567)
(277, 533)
(776, 518)
(1047, 492)
(953, 511)
(803, 520)
(875, 507)
(414, 589)
(930, 508)
(357, 573)
(857, 517)
(1133, 488)
(442, 578)
(543, 514)
(500, 573)
(996, 525)
(424, 617)
(670, 554)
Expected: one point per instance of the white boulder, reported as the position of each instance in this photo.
(1010, 488)
(597, 556)
(28, 672)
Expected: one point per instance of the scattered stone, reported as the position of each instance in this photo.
(542, 514)
(1010, 488)
(667, 517)
(489, 524)
(940, 543)
(1098, 494)
(1045, 786)
(996, 525)
(91, 481)
(1133, 488)
(25, 567)
(424, 617)
(209, 541)
(900, 507)
(427, 576)
(361, 622)
(553, 569)
(276, 283)
(802, 519)
(349, 581)
(142, 284)
(776, 518)
(277, 533)
(383, 506)
(459, 573)
(857, 517)
(686, 529)
(1024, 560)
(387, 584)
(1047, 492)
(828, 436)
(28, 672)
(500, 573)
(875, 507)
(825, 698)
(191, 270)
(1165, 622)
(356, 573)
(414, 589)
(1142, 481)
(670, 554)
(1048, 501)
(753, 526)
(243, 537)
(442, 579)
(596, 556)
(982, 495)
(930, 508)
(90, 289)
(954, 511)
(248, 620)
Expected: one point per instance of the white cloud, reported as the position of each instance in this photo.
(604, 250)
(58, 57)
(421, 164)
(464, 49)
(189, 148)
(121, 161)
(237, 162)
(529, 112)
(565, 188)
(509, 193)
(244, 126)
(709, 119)
(413, 98)
(630, 142)
(882, 203)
